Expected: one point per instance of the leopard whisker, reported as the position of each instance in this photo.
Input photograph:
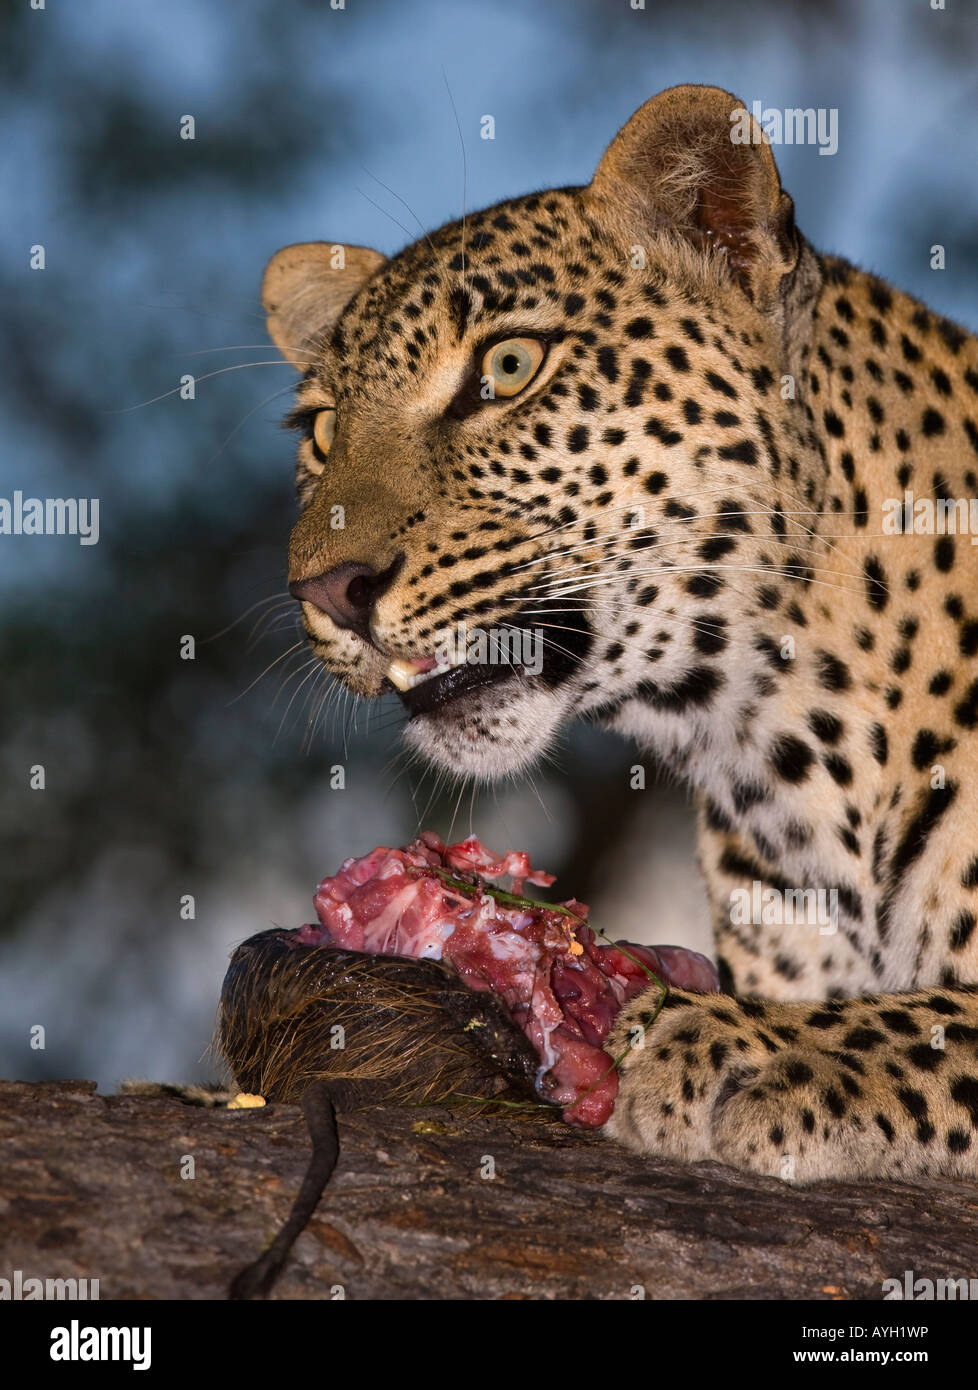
(698, 569)
(272, 598)
(403, 203)
(795, 545)
(271, 665)
(282, 390)
(381, 208)
(221, 371)
(465, 167)
(696, 624)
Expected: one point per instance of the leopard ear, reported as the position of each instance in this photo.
(695, 161)
(306, 288)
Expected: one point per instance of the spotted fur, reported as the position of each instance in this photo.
(688, 500)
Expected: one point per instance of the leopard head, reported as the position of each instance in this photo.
(533, 441)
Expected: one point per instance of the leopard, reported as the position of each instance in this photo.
(646, 419)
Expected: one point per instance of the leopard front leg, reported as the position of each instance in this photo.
(885, 1086)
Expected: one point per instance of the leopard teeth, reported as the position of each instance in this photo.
(405, 675)
(402, 674)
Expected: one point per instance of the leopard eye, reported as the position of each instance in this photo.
(512, 364)
(323, 431)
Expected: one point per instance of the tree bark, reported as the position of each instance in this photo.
(434, 1203)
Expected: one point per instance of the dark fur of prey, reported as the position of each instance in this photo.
(412, 1032)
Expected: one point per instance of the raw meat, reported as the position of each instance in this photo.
(543, 962)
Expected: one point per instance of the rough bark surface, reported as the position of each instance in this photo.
(91, 1187)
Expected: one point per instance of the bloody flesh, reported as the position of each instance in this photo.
(557, 982)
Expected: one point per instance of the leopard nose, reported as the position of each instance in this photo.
(347, 593)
